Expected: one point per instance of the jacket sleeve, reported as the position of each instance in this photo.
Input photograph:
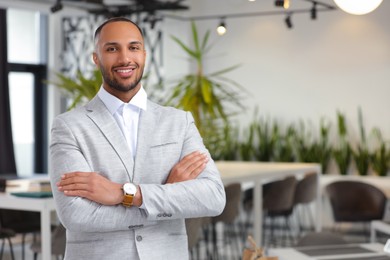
(204, 196)
(76, 213)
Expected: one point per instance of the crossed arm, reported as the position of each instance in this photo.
(93, 186)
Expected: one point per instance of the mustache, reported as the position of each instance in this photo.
(128, 64)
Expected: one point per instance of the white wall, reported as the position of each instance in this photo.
(337, 62)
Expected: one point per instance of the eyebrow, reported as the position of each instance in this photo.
(116, 43)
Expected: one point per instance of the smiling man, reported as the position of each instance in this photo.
(126, 172)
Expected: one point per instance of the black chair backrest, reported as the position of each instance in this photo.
(278, 196)
(193, 227)
(354, 201)
(232, 207)
(20, 221)
(306, 190)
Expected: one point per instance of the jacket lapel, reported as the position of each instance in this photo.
(147, 122)
(100, 115)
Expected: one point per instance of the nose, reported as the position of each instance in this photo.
(124, 56)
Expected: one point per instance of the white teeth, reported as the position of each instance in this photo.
(124, 71)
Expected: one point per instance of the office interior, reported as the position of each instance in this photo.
(294, 67)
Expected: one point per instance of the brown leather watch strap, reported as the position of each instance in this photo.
(127, 200)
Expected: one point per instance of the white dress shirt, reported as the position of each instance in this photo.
(126, 114)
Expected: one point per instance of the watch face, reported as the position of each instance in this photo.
(129, 188)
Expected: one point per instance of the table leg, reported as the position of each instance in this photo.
(258, 212)
(318, 205)
(373, 233)
(45, 235)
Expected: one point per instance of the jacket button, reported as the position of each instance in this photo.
(139, 238)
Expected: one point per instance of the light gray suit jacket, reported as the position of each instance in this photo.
(89, 139)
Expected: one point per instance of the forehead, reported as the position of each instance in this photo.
(118, 32)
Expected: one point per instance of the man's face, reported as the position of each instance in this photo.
(120, 55)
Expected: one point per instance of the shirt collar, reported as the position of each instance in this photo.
(113, 103)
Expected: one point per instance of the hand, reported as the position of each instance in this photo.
(188, 168)
(92, 186)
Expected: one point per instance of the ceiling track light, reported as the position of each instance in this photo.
(317, 6)
(56, 7)
(313, 11)
(288, 21)
(283, 3)
(221, 29)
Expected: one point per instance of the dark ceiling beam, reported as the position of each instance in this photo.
(321, 7)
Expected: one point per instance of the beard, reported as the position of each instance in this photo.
(115, 84)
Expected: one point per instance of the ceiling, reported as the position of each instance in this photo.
(116, 7)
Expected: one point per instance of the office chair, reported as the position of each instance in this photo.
(354, 201)
(6, 234)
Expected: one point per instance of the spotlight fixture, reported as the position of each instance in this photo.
(288, 22)
(313, 11)
(56, 7)
(221, 29)
(283, 3)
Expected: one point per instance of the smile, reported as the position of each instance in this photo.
(125, 73)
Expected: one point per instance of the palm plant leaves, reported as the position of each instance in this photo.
(205, 96)
(342, 154)
(79, 88)
(362, 155)
(380, 158)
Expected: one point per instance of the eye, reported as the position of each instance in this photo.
(111, 49)
(134, 48)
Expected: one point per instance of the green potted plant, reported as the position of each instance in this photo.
(206, 95)
(284, 145)
(266, 133)
(227, 149)
(81, 88)
(361, 155)
(342, 153)
(380, 157)
(246, 146)
(314, 151)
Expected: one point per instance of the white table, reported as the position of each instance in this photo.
(262, 172)
(293, 253)
(381, 226)
(43, 205)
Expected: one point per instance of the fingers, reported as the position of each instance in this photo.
(197, 168)
(74, 182)
(192, 161)
(74, 177)
(74, 186)
(92, 186)
(188, 168)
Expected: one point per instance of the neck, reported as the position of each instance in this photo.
(124, 96)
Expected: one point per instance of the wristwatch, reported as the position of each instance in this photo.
(129, 191)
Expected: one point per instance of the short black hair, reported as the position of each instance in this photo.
(115, 19)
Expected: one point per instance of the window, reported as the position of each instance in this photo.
(26, 32)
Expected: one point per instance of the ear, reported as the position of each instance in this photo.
(95, 59)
